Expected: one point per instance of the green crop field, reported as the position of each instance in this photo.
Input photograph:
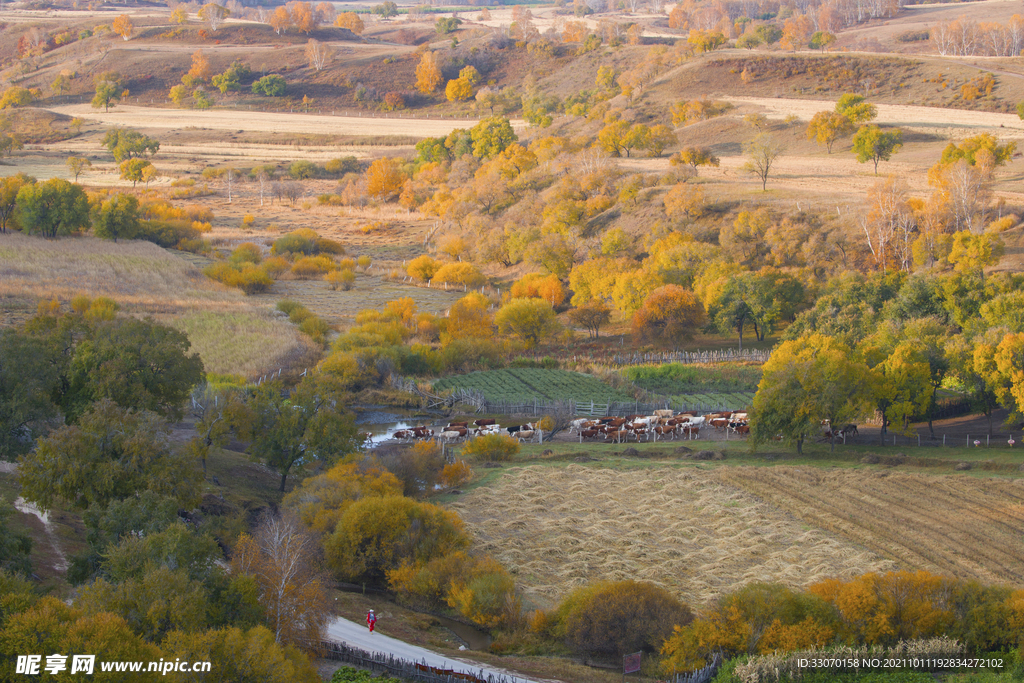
(527, 384)
(734, 400)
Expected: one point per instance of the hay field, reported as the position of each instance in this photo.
(685, 529)
(958, 525)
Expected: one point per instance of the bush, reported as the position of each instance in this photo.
(303, 170)
(275, 265)
(341, 279)
(459, 274)
(492, 447)
(422, 268)
(166, 233)
(339, 167)
(271, 86)
(255, 280)
(301, 241)
(616, 618)
(247, 252)
(311, 267)
(456, 474)
(315, 328)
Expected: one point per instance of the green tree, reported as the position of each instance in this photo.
(108, 90)
(969, 149)
(232, 77)
(806, 381)
(871, 143)
(138, 364)
(117, 217)
(532, 320)
(27, 380)
(126, 144)
(296, 432)
(768, 33)
(52, 208)
(827, 127)
(903, 386)
(491, 137)
(446, 25)
(761, 153)
(821, 40)
(213, 14)
(134, 170)
(271, 85)
(111, 454)
(386, 10)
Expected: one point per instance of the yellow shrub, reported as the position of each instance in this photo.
(423, 268)
(456, 474)
(341, 279)
(310, 267)
(460, 274)
(275, 265)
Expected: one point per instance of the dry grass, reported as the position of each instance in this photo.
(955, 525)
(557, 529)
(244, 343)
(232, 333)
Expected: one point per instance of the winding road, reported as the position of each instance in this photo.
(357, 635)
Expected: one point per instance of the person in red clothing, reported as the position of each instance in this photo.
(371, 620)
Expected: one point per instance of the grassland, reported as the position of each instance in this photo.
(527, 384)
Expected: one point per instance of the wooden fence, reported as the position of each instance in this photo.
(405, 669)
(691, 357)
(701, 675)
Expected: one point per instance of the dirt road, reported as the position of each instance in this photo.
(267, 122)
(357, 635)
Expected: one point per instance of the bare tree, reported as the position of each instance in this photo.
(229, 181)
(263, 178)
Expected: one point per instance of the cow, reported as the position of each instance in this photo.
(525, 435)
(663, 413)
(589, 433)
(665, 431)
(743, 429)
(484, 422)
(616, 436)
(512, 430)
(450, 436)
(457, 424)
(719, 423)
(848, 430)
(402, 435)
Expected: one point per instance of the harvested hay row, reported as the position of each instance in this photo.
(691, 532)
(962, 526)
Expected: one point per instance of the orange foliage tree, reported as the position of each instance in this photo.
(384, 179)
(669, 313)
(428, 74)
(123, 26)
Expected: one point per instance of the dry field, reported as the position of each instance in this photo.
(687, 530)
(230, 332)
(962, 526)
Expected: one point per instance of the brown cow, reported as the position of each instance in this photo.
(484, 422)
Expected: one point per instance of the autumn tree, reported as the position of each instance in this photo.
(77, 165)
(871, 143)
(351, 21)
(123, 26)
(806, 381)
(532, 320)
(213, 15)
(320, 501)
(685, 201)
(761, 153)
(384, 179)
(591, 316)
(828, 126)
(855, 108)
(280, 20)
(796, 32)
(281, 556)
(428, 73)
(616, 618)
(304, 17)
(377, 535)
(52, 208)
(9, 189)
(385, 10)
(126, 144)
(200, 71)
(310, 426)
(694, 157)
(670, 313)
(179, 15)
(318, 54)
(469, 317)
(458, 90)
(493, 136)
(902, 380)
(134, 170)
(422, 268)
(110, 454)
(821, 40)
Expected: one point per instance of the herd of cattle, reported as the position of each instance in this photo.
(455, 432)
(663, 424)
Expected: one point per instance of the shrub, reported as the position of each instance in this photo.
(286, 306)
(326, 246)
(343, 165)
(165, 233)
(247, 252)
(342, 278)
(456, 474)
(315, 328)
(364, 261)
(275, 265)
(311, 267)
(303, 170)
(255, 280)
(459, 274)
(616, 618)
(492, 447)
(423, 268)
(301, 241)
(225, 274)
(271, 86)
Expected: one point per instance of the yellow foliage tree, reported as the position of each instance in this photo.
(123, 26)
(320, 501)
(468, 317)
(459, 274)
(384, 179)
(458, 90)
(422, 268)
(428, 74)
(351, 21)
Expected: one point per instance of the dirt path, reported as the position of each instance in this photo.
(25, 507)
(267, 122)
(954, 120)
